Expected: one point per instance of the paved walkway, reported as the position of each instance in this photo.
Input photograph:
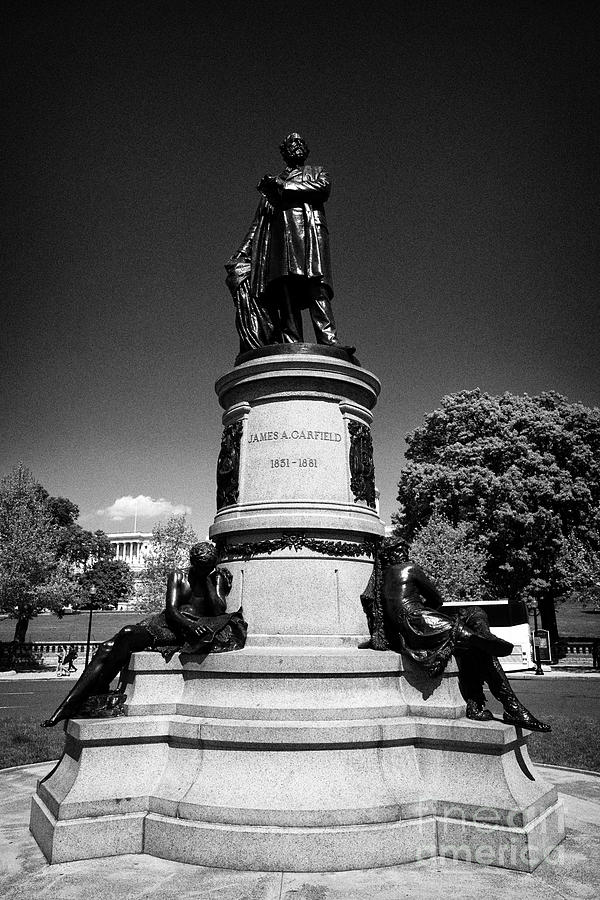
(572, 872)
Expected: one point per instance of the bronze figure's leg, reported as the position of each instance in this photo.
(471, 667)
(107, 662)
(476, 655)
(488, 644)
(321, 314)
(287, 292)
(514, 711)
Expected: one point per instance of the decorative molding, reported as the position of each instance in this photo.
(362, 469)
(228, 465)
(294, 542)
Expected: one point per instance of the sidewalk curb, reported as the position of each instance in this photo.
(43, 762)
(567, 769)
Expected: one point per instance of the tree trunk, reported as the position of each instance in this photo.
(21, 629)
(548, 621)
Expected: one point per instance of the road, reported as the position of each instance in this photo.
(544, 696)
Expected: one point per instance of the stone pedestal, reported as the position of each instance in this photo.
(299, 752)
(295, 759)
(299, 518)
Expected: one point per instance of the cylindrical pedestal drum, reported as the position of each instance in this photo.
(297, 516)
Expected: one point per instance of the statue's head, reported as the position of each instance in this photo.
(294, 149)
(393, 551)
(203, 555)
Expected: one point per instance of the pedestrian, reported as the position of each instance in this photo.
(70, 658)
(60, 659)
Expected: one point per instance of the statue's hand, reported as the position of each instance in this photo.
(202, 631)
(269, 186)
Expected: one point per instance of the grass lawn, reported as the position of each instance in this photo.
(574, 741)
(22, 741)
(575, 621)
(71, 628)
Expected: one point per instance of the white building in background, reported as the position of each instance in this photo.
(132, 547)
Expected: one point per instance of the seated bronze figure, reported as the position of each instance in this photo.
(193, 620)
(403, 610)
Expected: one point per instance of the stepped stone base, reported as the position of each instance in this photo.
(295, 758)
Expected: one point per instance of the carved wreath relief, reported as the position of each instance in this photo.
(228, 465)
(362, 470)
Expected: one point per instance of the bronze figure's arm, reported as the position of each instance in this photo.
(314, 184)
(426, 587)
(218, 603)
(178, 593)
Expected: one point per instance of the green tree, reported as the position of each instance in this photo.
(32, 576)
(580, 564)
(523, 472)
(112, 579)
(452, 557)
(62, 512)
(81, 548)
(171, 542)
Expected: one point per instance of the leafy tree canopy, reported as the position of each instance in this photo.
(580, 564)
(112, 579)
(523, 472)
(61, 511)
(32, 575)
(81, 548)
(451, 556)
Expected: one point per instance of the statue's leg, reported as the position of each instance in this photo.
(514, 711)
(321, 314)
(471, 667)
(289, 308)
(474, 631)
(475, 647)
(107, 662)
(479, 663)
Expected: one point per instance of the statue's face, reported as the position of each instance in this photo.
(393, 553)
(294, 150)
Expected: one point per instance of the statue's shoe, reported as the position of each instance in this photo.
(50, 723)
(478, 711)
(526, 720)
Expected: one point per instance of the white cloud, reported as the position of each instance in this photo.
(146, 508)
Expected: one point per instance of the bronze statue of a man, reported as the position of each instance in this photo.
(194, 620)
(403, 608)
(283, 265)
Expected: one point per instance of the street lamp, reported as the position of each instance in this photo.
(92, 594)
(533, 608)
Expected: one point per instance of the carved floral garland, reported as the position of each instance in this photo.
(295, 542)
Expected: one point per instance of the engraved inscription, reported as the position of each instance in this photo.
(295, 434)
(287, 463)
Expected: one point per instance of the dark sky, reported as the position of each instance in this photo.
(462, 141)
